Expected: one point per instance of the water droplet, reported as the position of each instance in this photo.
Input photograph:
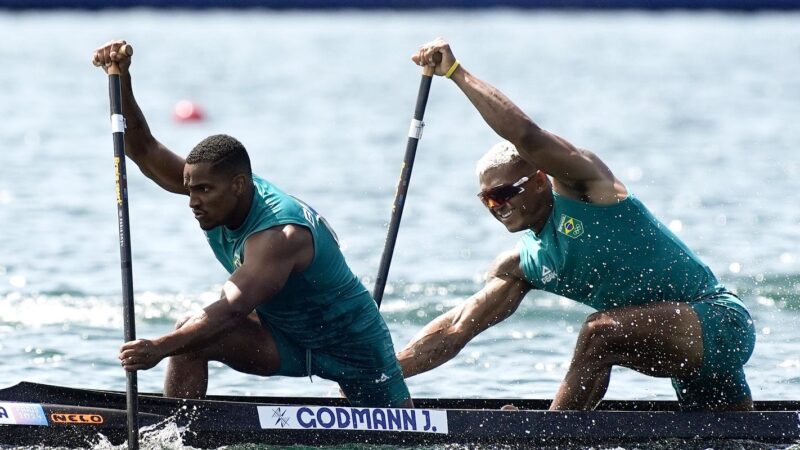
(18, 281)
(635, 173)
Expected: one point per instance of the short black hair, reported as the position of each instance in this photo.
(225, 154)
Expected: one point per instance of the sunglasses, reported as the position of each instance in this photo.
(501, 194)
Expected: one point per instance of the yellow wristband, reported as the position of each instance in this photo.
(452, 69)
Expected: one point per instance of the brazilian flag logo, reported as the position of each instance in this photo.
(570, 226)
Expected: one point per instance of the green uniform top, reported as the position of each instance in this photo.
(324, 305)
(607, 256)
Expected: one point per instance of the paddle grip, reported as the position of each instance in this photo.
(126, 49)
(429, 70)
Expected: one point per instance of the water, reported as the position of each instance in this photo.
(696, 113)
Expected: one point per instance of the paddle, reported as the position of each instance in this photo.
(414, 135)
(118, 133)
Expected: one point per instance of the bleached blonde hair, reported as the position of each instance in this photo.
(500, 154)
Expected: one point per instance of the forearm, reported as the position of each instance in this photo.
(198, 331)
(433, 346)
(499, 112)
(138, 138)
(445, 336)
(154, 160)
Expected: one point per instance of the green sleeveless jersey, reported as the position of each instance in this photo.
(324, 305)
(607, 256)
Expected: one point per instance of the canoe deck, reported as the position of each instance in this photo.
(38, 414)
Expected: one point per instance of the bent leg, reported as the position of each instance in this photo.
(661, 339)
(248, 348)
(728, 342)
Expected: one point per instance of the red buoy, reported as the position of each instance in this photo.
(187, 111)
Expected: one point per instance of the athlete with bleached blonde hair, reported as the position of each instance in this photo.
(660, 309)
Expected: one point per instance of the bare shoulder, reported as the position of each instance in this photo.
(603, 188)
(506, 266)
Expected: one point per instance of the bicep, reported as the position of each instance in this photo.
(271, 257)
(561, 159)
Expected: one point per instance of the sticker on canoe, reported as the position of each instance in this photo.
(347, 418)
(22, 414)
(76, 419)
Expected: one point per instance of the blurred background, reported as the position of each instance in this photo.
(696, 110)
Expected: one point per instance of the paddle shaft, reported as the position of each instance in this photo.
(414, 135)
(118, 133)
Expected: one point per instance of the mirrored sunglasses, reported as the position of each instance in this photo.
(501, 194)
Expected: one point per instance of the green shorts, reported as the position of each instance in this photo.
(728, 340)
(367, 371)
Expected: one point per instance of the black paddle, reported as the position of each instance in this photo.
(118, 133)
(414, 135)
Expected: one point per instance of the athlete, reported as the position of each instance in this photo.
(291, 305)
(660, 309)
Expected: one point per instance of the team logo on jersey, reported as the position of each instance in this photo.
(570, 226)
(383, 378)
(548, 275)
(237, 260)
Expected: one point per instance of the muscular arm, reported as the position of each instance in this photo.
(155, 160)
(446, 335)
(271, 256)
(577, 173)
